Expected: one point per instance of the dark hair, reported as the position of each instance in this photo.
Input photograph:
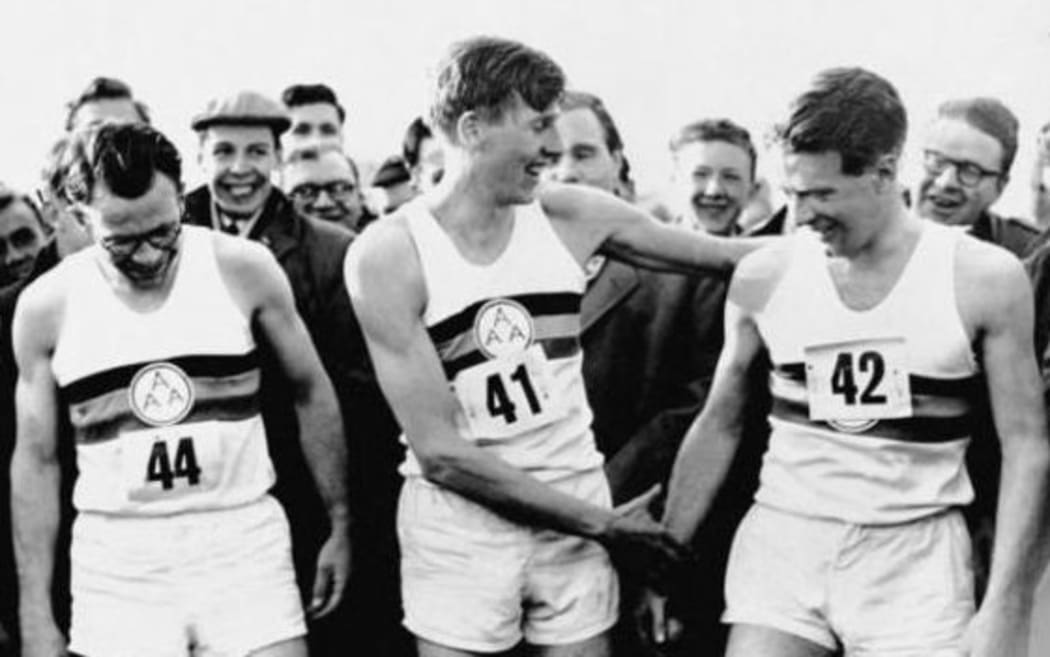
(716, 130)
(412, 144)
(126, 157)
(103, 88)
(849, 111)
(309, 94)
(9, 197)
(484, 74)
(990, 116)
(572, 100)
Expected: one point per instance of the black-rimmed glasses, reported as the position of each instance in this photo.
(969, 174)
(124, 246)
(310, 192)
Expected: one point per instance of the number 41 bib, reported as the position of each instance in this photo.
(858, 381)
(508, 395)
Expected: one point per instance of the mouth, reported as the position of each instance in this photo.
(711, 204)
(241, 191)
(21, 269)
(943, 205)
(535, 169)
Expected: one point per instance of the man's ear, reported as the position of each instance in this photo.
(469, 130)
(886, 169)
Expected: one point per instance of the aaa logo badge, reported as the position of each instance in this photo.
(161, 394)
(502, 328)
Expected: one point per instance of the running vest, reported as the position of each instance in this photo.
(508, 335)
(163, 404)
(871, 409)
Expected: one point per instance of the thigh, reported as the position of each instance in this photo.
(426, 648)
(760, 641)
(596, 646)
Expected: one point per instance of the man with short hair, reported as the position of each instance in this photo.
(650, 342)
(423, 155)
(714, 175)
(22, 235)
(882, 329)
(240, 149)
(469, 298)
(967, 154)
(145, 344)
(324, 185)
(105, 99)
(316, 115)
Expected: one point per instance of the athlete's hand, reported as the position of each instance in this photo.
(654, 622)
(995, 631)
(634, 537)
(333, 571)
(44, 640)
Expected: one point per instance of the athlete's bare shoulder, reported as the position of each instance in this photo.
(757, 275)
(250, 272)
(383, 261)
(989, 281)
(561, 201)
(41, 309)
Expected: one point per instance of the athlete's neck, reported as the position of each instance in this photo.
(898, 232)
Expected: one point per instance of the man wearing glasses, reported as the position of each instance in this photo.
(966, 164)
(325, 185)
(145, 345)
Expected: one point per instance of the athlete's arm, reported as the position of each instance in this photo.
(595, 221)
(320, 424)
(35, 471)
(711, 442)
(387, 293)
(1022, 541)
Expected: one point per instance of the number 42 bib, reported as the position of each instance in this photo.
(860, 381)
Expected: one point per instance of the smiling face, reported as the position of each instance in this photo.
(325, 188)
(714, 182)
(139, 236)
(843, 210)
(238, 161)
(942, 195)
(511, 152)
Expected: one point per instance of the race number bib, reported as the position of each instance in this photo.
(860, 381)
(509, 395)
(164, 462)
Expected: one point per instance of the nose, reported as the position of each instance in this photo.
(947, 178)
(240, 164)
(564, 170)
(713, 186)
(323, 200)
(801, 211)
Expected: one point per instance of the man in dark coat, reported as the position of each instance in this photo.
(240, 148)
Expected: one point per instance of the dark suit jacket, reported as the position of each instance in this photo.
(311, 254)
(650, 343)
(1016, 236)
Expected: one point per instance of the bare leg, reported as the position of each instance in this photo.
(760, 641)
(431, 649)
(597, 646)
(291, 648)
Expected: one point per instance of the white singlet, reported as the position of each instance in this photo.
(164, 404)
(871, 409)
(507, 334)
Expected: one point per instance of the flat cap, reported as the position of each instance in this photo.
(243, 108)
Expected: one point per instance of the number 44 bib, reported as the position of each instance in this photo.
(860, 381)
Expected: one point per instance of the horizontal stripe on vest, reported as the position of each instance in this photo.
(967, 386)
(550, 327)
(552, 347)
(911, 429)
(230, 409)
(539, 304)
(106, 381)
(205, 389)
(795, 391)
